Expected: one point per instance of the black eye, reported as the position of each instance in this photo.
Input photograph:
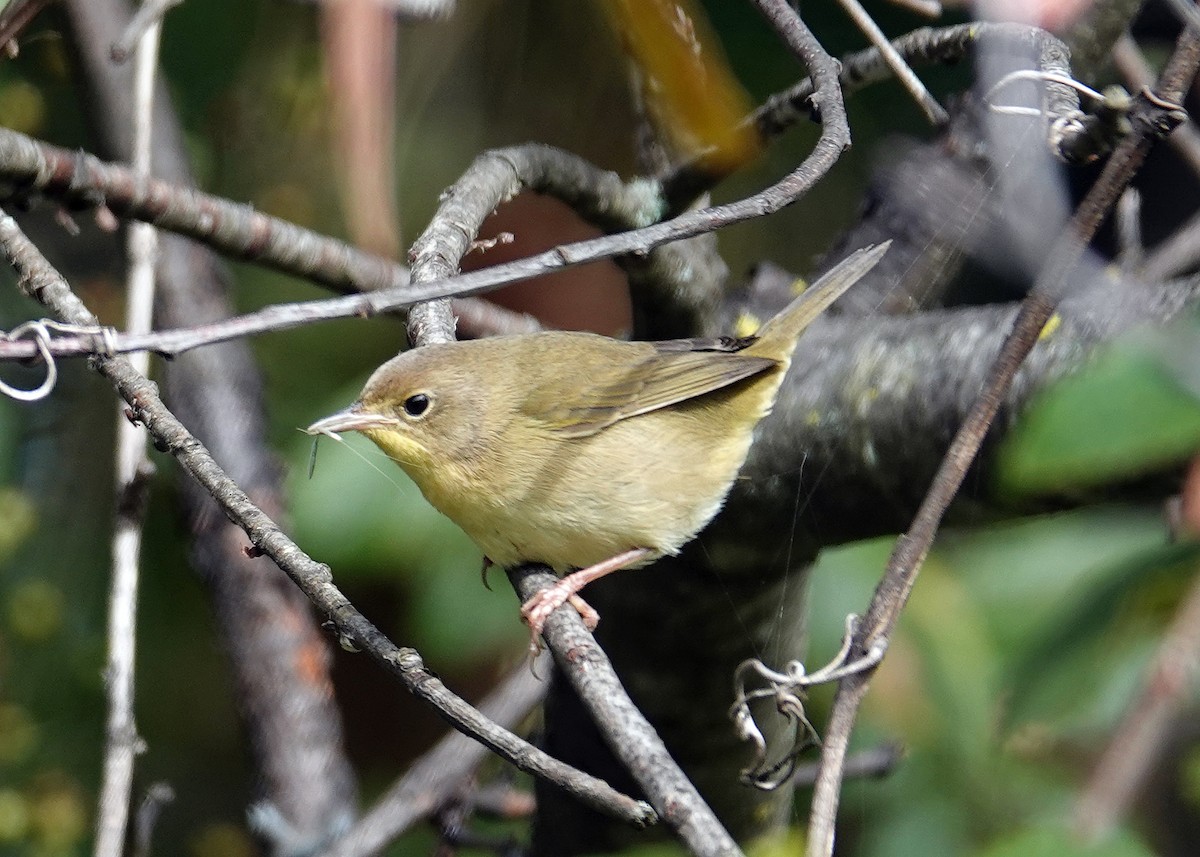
(416, 405)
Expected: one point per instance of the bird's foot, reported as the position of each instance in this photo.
(538, 608)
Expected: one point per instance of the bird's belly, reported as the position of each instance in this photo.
(570, 513)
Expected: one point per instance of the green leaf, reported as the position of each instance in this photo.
(1127, 414)
(1111, 621)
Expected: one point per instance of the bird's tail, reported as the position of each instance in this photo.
(777, 338)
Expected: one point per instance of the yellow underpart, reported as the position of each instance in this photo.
(1052, 324)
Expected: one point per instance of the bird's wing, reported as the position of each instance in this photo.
(671, 372)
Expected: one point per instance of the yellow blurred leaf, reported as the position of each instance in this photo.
(686, 81)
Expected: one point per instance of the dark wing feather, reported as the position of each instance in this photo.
(673, 372)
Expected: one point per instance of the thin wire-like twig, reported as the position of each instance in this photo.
(933, 111)
(122, 743)
(1154, 117)
(40, 281)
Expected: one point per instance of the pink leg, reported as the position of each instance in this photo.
(537, 609)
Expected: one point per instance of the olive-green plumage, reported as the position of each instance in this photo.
(570, 448)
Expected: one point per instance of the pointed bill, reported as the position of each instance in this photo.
(354, 418)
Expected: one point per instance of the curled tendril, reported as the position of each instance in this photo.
(788, 689)
(1033, 74)
(42, 337)
(106, 345)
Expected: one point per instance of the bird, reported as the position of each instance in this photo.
(578, 451)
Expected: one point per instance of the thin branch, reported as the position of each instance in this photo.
(133, 467)
(41, 282)
(434, 777)
(625, 728)
(1131, 63)
(598, 194)
(1154, 117)
(231, 228)
(933, 111)
(922, 47)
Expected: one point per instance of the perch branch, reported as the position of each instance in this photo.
(625, 728)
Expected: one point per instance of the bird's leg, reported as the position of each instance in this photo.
(586, 611)
(537, 609)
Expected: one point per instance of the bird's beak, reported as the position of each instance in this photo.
(354, 418)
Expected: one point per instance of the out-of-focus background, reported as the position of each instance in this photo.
(1020, 650)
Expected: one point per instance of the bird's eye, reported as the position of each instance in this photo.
(416, 404)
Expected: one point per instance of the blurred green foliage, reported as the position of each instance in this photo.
(1133, 410)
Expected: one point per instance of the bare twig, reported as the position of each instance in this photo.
(1154, 117)
(132, 470)
(41, 282)
(598, 194)
(1131, 63)
(149, 14)
(432, 779)
(626, 729)
(933, 111)
(922, 47)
